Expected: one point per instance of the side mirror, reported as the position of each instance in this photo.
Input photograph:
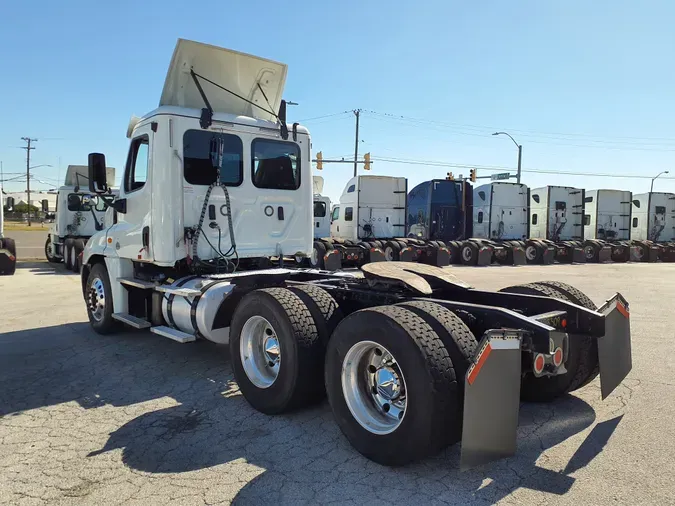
(120, 205)
(97, 175)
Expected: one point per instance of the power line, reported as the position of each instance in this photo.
(531, 133)
(434, 163)
(324, 116)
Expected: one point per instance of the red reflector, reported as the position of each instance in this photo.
(558, 357)
(12, 257)
(373, 249)
(563, 323)
(622, 309)
(539, 363)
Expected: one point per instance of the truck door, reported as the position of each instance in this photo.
(321, 217)
(132, 235)
(335, 222)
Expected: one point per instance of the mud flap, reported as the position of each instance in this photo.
(519, 256)
(548, 256)
(484, 255)
(440, 257)
(332, 260)
(407, 255)
(605, 254)
(578, 256)
(376, 255)
(614, 348)
(492, 399)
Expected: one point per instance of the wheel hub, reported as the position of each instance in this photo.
(96, 299)
(531, 252)
(315, 257)
(589, 252)
(374, 387)
(389, 253)
(466, 254)
(260, 351)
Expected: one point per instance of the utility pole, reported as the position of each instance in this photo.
(357, 112)
(28, 148)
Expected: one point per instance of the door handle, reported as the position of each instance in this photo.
(280, 212)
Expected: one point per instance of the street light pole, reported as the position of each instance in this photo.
(654, 178)
(520, 153)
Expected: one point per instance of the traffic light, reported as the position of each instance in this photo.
(366, 165)
(473, 175)
(319, 161)
(450, 177)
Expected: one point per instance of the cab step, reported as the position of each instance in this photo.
(132, 321)
(181, 292)
(176, 335)
(137, 283)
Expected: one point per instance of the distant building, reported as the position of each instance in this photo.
(36, 199)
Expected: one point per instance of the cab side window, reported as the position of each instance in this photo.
(336, 214)
(137, 164)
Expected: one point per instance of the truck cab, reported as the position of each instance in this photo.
(79, 215)
(500, 211)
(214, 179)
(653, 217)
(322, 210)
(437, 210)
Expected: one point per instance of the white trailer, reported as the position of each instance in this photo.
(501, 224)
(653, 223)
(607, 221)
(79, 215)
(557, 219)
(208, 192)
(7, 245)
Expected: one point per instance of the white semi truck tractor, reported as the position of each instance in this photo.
(411, 358)
(607, 228)
(653, 225)
(7, 245)
(78, 216)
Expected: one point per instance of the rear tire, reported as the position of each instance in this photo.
(469, 254)
(582, 361)
(67, 254)
(316, 260)
(278, 368)
(392, 251)
(421, 366)
(457, 338)
(10, 246)
(533, 253)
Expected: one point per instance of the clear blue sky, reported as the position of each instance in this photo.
(584, 86)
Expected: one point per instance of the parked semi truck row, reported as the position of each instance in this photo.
(7, 246)
(499, 222)
(79, 215)
(411, 358)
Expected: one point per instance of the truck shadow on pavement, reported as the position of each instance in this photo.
(301, 457)
(45, 268)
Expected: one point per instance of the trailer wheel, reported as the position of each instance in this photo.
(457, 338)
(318, 251)
(469, 254)
(392, 251)
(275, 351)
(98, 296)
(391, 385)
(10, 246)
(533, 253)
(591, 250)
(582, 360)
(50, 258)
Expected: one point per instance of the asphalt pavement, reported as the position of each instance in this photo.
(135, 418)
(30, 244)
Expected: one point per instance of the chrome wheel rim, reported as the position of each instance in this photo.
(96, 299)
(466, 254)
(260, 351)
(374, 387)
(389, 253)
(588, 250)
(531, 252)
(315, 257)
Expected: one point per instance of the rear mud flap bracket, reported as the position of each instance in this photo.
(614, 348)
(492, 399)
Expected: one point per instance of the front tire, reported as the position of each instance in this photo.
(50, 258)
(275, 351)
(391, 385)
(98, 297)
